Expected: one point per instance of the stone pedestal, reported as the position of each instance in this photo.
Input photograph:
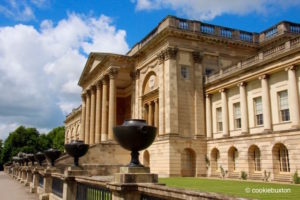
(126, 182)
(135, 175)
(70, 185)
(35, 179)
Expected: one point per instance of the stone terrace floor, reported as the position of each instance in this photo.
(11, 189)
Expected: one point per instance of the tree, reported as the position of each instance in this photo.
(57, 136)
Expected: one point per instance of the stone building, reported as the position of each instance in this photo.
(220, 98)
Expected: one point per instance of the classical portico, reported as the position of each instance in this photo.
(106, 94)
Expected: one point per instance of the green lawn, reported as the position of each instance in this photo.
(235, 188)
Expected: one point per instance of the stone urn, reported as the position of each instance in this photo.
(30, 157)
(16, 159)
(40, 157)
(134, 135)
(52, 155)
(76, 149)
(26, 159)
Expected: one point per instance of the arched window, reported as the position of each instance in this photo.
(188, 162)
(281, 161)
(232, 159)
(254, 159)
(214, 160)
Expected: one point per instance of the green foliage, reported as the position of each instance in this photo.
(244, 175)
(29, 140)
(296, 178)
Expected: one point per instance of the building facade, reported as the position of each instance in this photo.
(221, 99)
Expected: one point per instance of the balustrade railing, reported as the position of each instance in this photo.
(294, 43)
(88, 192)
(57, 187)
(147, 197)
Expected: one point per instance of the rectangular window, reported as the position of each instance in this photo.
(258, 111)
(237, 116)
(184, 72)
(284, 106)
(219, 119)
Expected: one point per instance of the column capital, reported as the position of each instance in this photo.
(241, 84)
(170, 53)
(292, 67)
(197, 57)
(92, 88)
(207, 95)
(161, 57)
(99, 84)
(264, 76)
(104, 80)
(155, 100)
(83, 94)
(112, 73)
(135, 74)
(222, 90)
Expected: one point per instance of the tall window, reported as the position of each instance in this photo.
(256, 159)
(284, 106)
(283, 156)
(258, 111)
(237, 115)
(219, 119)
(183, 25)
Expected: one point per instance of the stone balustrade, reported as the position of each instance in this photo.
(74, 184)
(254, 60)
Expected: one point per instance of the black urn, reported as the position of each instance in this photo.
(135, 135)
(40, 157)
(76, 149)
(52, 155)
(30, 157)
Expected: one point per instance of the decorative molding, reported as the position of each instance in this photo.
(292, 67)
(170, 53)
(265, 76)
(242, 84)
(104, 80)
(197, 57)
(161, 57)
(222, 90)
(113, 72)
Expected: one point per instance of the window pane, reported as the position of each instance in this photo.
(283, 100)
(219, 114)
(237, 110)
(258, 105)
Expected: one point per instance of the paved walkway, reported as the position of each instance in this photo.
(11, 189)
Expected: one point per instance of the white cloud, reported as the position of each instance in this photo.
(207, 10)
(18, 10)
(40, 68)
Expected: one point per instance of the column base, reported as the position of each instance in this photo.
(245, 132)
(44, 196)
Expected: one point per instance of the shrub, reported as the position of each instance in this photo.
(244, 175)
(296, 178)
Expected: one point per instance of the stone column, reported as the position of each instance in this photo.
(150, 114)
(161, 116)
(171, 91)
(243, 104)
(112, 103)
(225, 120)
(98, 114)
(87, 117)
(156, 113)
(267, 117)
(199, 96)
(92, 119)
(82, 121)
(208, 116)
(293, 97)
(133, 93)
(137, 88)
(104, 132)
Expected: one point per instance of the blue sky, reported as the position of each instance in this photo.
(44, 44)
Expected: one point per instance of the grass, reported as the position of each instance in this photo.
(236, 188)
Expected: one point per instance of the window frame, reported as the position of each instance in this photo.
(219, 119)
(280, 110)
(260, 115)
(235, 118)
